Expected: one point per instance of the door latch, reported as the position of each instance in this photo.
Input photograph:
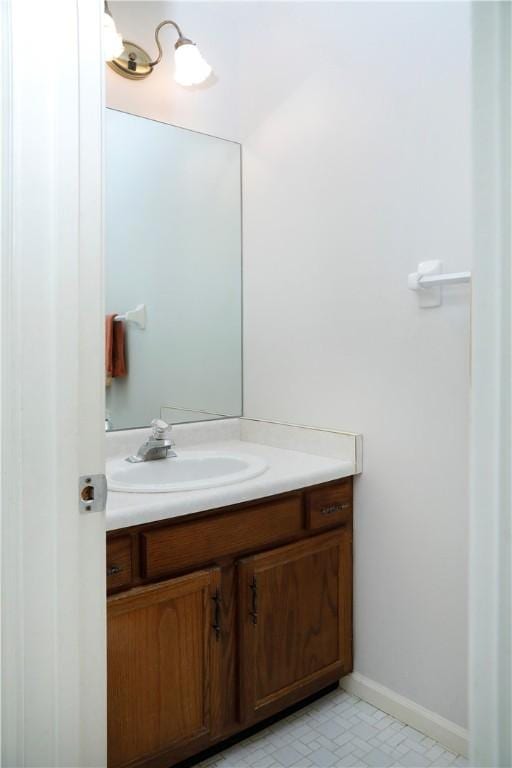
(92, 493)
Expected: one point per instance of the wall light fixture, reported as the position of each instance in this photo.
(130, 60)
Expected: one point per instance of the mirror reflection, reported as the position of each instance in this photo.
(173, 274)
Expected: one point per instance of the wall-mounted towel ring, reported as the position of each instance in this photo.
(136, 316)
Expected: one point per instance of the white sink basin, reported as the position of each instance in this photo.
(189, 471)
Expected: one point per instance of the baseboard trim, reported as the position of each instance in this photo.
(450, 735)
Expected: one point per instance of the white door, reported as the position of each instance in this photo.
(53, 561)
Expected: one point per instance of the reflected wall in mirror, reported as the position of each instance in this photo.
(173, 245)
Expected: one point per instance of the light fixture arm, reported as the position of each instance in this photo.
(134, 62)
(181, 39)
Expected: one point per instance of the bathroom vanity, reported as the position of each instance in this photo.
(221, 618)
(224, 618)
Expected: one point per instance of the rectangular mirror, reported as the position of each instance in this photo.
(173, 251)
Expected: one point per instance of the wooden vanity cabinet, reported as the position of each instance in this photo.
(295, 622)
(222, 619)
(163, 667)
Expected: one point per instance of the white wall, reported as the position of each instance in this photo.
(354, 120)
(357, 166)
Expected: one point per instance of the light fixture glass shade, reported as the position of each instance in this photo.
(112, 40)
(190, 67)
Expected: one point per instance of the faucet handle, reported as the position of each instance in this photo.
(160, 427)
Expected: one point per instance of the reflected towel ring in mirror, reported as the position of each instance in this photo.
(130, 60)
(136, 316)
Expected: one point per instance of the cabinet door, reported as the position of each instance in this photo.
(295, 621)
(163, 650)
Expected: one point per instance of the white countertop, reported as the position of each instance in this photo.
(288, 470)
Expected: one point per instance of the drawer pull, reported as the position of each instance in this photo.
(254, 589)
(112, 570)
(333, 508)
(216, 617)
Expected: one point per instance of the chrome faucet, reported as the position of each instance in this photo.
(157, 447)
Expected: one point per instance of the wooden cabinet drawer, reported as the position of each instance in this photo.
(119, 562)
(198, 542)
(329, 506)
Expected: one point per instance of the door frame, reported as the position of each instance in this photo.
(52, 386)
(491, 429)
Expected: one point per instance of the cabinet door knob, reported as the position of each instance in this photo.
(112, 570)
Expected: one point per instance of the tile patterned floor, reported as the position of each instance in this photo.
(337, 731)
